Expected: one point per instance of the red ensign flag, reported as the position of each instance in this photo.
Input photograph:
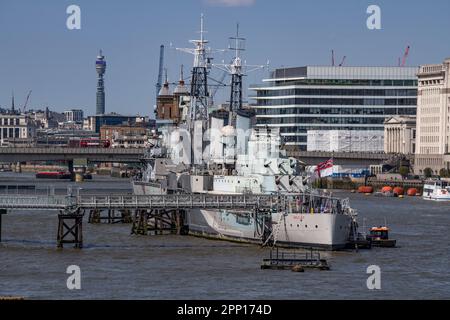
(325, 169)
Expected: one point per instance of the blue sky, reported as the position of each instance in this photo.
(38, 52)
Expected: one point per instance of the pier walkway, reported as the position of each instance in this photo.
(156, 213)
(140, 202)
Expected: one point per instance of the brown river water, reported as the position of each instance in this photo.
(117, 265)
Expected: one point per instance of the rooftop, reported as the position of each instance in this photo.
(329, 72)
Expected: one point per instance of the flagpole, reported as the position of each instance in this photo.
(332, 178)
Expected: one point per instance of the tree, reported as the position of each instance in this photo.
(427, 172)
(444, 173)
(404, 171)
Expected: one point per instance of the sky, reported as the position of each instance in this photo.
(39, 53)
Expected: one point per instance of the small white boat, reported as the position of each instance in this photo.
(436, 190)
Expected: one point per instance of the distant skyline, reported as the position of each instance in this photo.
(39, 53)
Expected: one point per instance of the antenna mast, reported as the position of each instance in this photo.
(236, 70)
(199, 83)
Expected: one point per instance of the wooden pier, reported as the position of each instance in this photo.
(109, 216)
(159, 222)
(295, 261)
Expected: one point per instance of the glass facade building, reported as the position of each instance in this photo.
(333, 98)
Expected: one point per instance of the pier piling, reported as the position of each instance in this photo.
(70, 229)
(2, 212)
(158, 222)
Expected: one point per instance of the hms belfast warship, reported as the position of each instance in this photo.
(220, 152)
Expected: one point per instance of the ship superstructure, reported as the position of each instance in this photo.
(220, 152)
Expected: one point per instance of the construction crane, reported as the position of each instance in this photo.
(26, 101)
(333, 62)
(161, 70)
(405, 57)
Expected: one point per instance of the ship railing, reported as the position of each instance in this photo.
(179, 201)
(314, 204)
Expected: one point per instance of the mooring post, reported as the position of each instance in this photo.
(2, 212)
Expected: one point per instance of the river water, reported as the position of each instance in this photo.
(117, 265)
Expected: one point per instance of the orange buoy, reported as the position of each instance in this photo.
(386, 189)
(364, 189)
(399, 191)
(412, 192)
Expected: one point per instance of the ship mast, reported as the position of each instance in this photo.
(236, 70)
(199, 82)
(197, 121)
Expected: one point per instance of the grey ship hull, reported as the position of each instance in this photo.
(320, 231)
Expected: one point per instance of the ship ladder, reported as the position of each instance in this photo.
(274, 234)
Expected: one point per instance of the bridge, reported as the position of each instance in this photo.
(69, 154)
(13, 155)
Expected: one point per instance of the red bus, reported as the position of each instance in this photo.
(89, 143)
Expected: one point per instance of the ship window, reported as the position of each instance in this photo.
(306, 226)
(298, 226)
(317, 226)
(245, 220)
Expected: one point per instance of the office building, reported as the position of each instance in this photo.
(74, 115)
(94, 123)
(433, 118)
(297, 100)
(16, 129)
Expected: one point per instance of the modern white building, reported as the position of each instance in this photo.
(74, 115)
(333, 98)
(400, 135)
(433, 118)
(345, 140)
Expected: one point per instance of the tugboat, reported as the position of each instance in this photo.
(379, 237)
